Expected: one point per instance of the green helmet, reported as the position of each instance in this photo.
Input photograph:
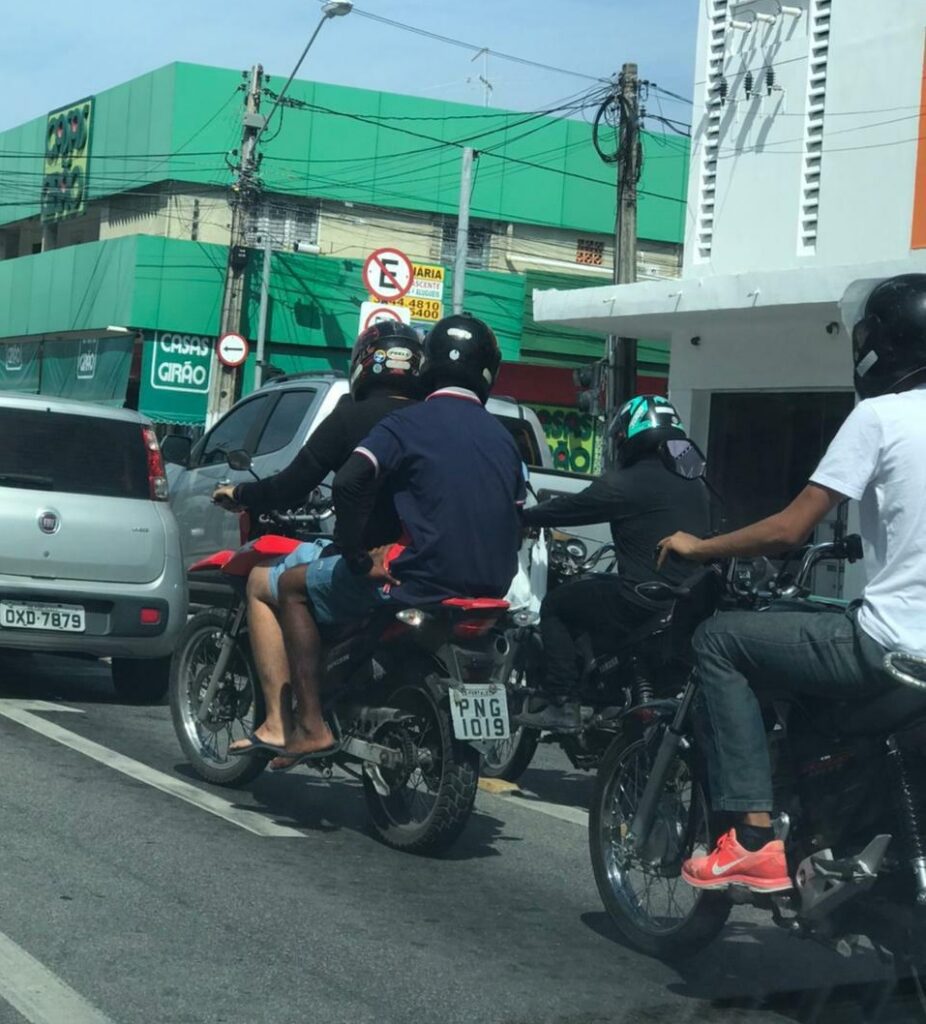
(642, 424)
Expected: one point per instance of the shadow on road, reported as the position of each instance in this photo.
(27, 676)
(305, 800)
(756, 967)
(560, 786)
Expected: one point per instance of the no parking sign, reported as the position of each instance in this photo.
(388, 274)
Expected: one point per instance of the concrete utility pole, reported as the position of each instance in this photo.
(622, 352)
(459, 264)
(223, 382)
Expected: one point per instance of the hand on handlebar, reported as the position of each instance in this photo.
(224, 495)
(682, 544)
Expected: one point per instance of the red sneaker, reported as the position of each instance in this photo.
(766, 870)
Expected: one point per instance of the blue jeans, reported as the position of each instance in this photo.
(777, 653)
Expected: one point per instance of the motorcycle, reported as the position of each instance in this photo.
(849, 794)
(614, 673)
(411, 694)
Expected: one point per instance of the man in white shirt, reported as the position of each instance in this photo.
(879, 459)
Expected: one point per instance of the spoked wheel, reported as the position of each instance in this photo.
(510, 758)
(234, 712)
(656, 911)
(422, 803)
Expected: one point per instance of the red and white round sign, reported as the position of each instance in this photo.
(388, 274)
(232, 350)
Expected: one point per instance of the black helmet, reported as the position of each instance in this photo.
(464, 351)
(642, 425)
(386, 354)
(889, 342)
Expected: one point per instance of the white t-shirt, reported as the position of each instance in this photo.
(879, 459)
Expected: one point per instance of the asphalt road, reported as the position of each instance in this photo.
(123, 902)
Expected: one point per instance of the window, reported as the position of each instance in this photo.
(524, 438)
(285, 420)
(286, 222)
(50, 451)
(589, 252)
(239, 429)
(477, 255)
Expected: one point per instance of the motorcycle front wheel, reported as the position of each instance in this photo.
(509, 759)
(655, 910)
(235, 711)
(430, 792)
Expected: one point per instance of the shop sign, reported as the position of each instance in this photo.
(87, 353)
(13, 357)
(181, 362)
(67, 161)
(424, 299)
(572, 437)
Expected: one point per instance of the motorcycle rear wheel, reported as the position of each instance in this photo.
(236, 710)
(432, 793)
(655, 910)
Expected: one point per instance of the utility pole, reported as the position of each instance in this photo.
(622, 352)
(223, 382)
(459, 264)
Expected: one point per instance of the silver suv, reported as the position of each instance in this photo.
(90, 557)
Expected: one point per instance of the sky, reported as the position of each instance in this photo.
(61, 51)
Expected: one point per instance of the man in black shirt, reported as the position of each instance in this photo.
(383, 378)
(457, 480)
(646, 493)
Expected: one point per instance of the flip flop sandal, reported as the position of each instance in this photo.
(257, 746)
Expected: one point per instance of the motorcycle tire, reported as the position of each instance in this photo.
(203, 743)
(707, 912)
(429, 822)
(509, 759)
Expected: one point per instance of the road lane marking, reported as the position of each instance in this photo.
(531, 802)
(38, 705)
(251, 821)
(38, 994)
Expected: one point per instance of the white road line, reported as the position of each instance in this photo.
(530, 802)
(39, 705)
(39, 995)
(251, 821)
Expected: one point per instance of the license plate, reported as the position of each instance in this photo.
(59, 618)
(479, 712)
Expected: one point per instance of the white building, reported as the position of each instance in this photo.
(808, 173)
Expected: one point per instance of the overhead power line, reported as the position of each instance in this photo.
(475, 48)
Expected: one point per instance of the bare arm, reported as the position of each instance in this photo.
(781, 532)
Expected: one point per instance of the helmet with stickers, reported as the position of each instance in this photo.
(889, 341)
(387, 355)
(642, 425)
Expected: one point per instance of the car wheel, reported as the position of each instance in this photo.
(141, 681)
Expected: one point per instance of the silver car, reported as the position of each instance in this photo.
(90, 557)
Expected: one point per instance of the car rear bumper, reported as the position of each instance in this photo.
(113, 616)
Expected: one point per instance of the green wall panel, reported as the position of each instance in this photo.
(352, 146)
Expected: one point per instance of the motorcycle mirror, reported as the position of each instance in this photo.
(239, 459)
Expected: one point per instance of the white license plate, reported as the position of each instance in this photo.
(59, 618)
(479, 712)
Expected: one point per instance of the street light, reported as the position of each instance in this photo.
(331, 9)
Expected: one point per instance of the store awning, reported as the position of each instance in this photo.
(659, 309)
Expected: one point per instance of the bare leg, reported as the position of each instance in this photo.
(758, 819)
(270, 658)
(303, 647)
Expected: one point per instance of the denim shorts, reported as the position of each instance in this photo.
(337, 595)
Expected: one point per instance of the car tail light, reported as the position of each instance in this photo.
(468, 629)
(149, 616)
(157, 479)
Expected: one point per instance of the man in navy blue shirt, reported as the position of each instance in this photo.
(457, 482)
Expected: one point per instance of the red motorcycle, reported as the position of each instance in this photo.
(412, 695)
